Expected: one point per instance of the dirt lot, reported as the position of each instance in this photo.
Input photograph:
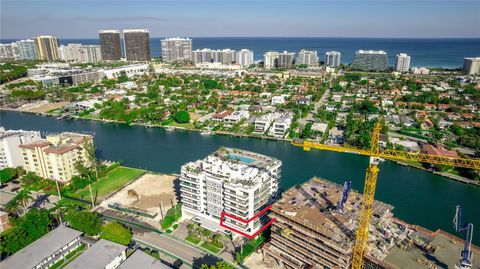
(44, 107)
(152, 190)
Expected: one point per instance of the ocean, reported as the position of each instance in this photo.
(444, 52)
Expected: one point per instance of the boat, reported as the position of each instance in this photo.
(205, 133)
(170, 128)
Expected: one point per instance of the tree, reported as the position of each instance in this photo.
(90, 150)
(116, 232)
(23, 197)
(218, 265)
(85, 221)
(7, 174)
(181, 117)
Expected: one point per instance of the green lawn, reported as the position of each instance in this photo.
(113, 181)
(211, 247)
(192, 239)
(69, 257)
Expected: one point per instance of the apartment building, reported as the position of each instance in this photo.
(333, 58)
(110, 45)
(79, 53)
(270, 59)
(45, 251)
(176, 49)
(370, 60)
(137, 44)
(471, 66)
(244, 57)
(27, 49)
(224, 56)
(10, 140)
(47, 48)
(55, 157)
(311, 231)
(9, 52)
(238, 182)
(307, 57)
(403, 63)
(103, 254)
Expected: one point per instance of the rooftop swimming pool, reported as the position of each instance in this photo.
(240, 158)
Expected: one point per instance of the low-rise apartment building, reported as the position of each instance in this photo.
(10, 153)
(45, 251)
(239, 182)
(103, 254)
(55, 157)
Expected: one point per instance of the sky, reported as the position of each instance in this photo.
(252, 18)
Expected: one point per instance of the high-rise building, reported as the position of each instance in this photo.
(137, 44)
(27, 49)
(333, 58)
(244, 57)
(9, 51)
(79, 53)
(286, 60)
(239, 182)
(47, 48)
(10, 153)
(55, 157)
(307, 57)
(471, 66)
(225, 56)
(110, 45)
(403, 63)
(176, 49)
(270, 59)
(370, 60)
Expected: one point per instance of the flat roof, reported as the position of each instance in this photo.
(36, 252)
(140, 259)
(446, 254)
(98, 255)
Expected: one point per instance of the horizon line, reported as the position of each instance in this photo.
(241, 36)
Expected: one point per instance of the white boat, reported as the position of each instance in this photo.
(170, 128)
(205, 133)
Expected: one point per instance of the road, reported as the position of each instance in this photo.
(194, 256)
(311, 115)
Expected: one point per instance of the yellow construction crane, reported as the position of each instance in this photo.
(371, 178)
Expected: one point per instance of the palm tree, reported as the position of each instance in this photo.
(12, 206)
(191, 228)
(206, 234)
(23, 197)
(90, 150)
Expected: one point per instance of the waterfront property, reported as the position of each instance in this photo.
(140, 259)
(10, 153)
(55, 157)
(103, 254)
(239, 182)
(45, 251)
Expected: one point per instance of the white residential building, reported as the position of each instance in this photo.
(270, 59)
(281, 126)
(403, 63)
(103, 254)
(9, 51)
(263, 123)
(420, 71)
(234, 118)
(129, 70)
(225, 56)
(79, 53)
(237, 182)
(244, 57)
(27, 49)
(279, 99)
(333, 58)
(286, 60)
(176, 49)
(471, 66)
(10, 153)
(307, 57)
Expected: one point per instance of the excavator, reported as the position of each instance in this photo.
(376, 155)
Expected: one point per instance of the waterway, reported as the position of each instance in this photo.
(419, 197)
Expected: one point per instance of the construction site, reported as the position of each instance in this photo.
(316, 225)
